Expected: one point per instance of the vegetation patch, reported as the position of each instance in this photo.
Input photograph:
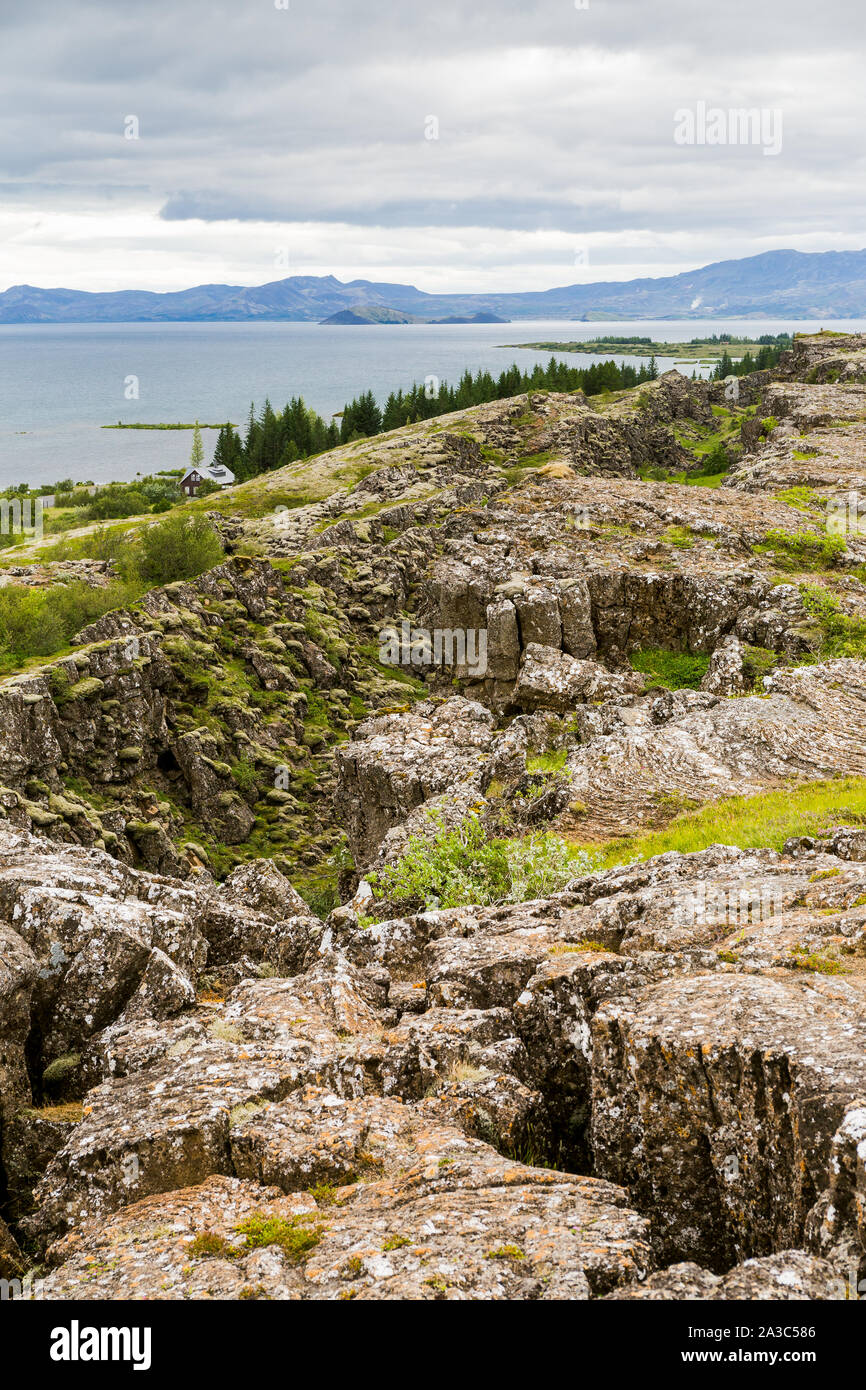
(802, 550)
(547, 762)
(672, 670)
(749, 822)
(839, 634)
(453, 868)
(296, 1237)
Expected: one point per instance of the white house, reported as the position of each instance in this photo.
(213, 473)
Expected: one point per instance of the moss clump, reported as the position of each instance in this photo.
(60, 1069)
(295, 1237)
(396, 1242)
(802, 550)
(547, 762)
(679, 536)
(672, 670)
(86, 688)
(816, 962)
(325, 1193)
(209, 1246)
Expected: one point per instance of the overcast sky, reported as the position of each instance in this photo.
(275, 141)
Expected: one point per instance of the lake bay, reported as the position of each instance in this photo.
(60, 383)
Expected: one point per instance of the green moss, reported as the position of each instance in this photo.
(295, 1237)
(547, 762)
(62, 1067)
(209, 1246)
(679, 536)
(396, 1242)
(85, 689)
(816, 962)
(802, 550)
(802, 499)
(672, 670)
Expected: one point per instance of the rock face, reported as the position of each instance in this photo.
(381, 781)
(176, 727)
(378, 1124)
(650, 1084)
(624, 755)
(733, 1098)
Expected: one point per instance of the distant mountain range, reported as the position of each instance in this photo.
(777, 284)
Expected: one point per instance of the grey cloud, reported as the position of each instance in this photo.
(553, 119)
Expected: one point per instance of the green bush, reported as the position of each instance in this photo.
(841, 635)
(180, 547)
(462, 866)
(40, 622)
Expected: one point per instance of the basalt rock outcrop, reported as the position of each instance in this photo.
(387, 1111)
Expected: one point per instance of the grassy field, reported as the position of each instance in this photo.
(750, 822)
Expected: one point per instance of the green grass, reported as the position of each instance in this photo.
(547, 762)
(680, 536)
(673, 670)
(650, 474)
(841, 635)
(802, 550)
(749, 822)
(295, 1237)
(801, 498)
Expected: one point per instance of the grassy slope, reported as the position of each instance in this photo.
(750, 822)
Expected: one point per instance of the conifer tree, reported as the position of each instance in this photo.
(196, 457)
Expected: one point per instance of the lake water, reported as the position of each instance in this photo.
(59, 383)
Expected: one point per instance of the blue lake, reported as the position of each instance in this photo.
(60, 383)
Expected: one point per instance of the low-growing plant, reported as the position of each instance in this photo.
(208, 1245)
(841, 635)
(802, 550)
(463, 865)
(547, 762)
(673, 670)
(296, 1237)
(766, 820)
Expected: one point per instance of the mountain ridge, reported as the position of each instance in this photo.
(773, 284)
